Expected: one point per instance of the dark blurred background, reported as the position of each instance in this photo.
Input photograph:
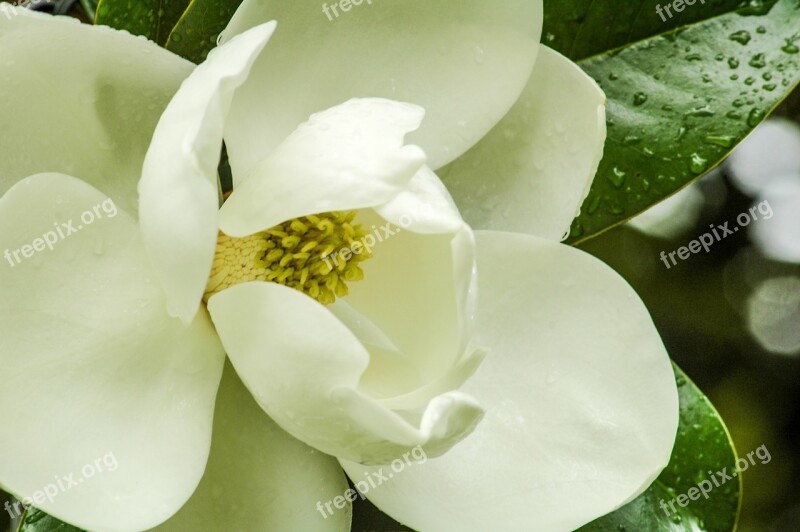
(731, 317)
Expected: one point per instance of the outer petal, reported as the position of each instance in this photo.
(531, 173)
(179, 196)
(303, 367)
(418, 51)
(348, 157)
(117, 395)
(582, 403)
(260, 478)
(86, 104)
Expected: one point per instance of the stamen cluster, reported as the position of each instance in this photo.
(293, 254)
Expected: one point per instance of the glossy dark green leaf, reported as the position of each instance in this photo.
(35, 520)
(581, 29)
(678, 103)
(90, 8)
(702, 449)
(196, 33)
(153, 19)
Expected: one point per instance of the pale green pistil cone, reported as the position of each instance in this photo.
(303, 253)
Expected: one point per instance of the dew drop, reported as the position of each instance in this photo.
(617, 177)
(726, 141)
(698, 163)
(480, 55)
(594, 204)
(702, 112)
(742, 37)
(758, 61)
(790, 48)
(755, 117)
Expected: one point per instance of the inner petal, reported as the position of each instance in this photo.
(316, 254)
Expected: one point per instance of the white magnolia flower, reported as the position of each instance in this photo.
(580, 403)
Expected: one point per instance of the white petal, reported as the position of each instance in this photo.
(424, 207)
(303, 367)
(79, 99)
(531, 173)
(114, 391)
(260, 478)
(419, 290)
(178, 191)
(582, 402)
(466, 66)
(349, 157)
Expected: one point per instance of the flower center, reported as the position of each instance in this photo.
(317, 255)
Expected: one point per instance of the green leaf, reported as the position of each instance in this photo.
(34, 520)
(580, 29)
(90, 7)
(678, 103)
(153, 19)
(197, 31)
(702, 448)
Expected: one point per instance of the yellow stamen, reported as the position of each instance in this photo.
(317, 255)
